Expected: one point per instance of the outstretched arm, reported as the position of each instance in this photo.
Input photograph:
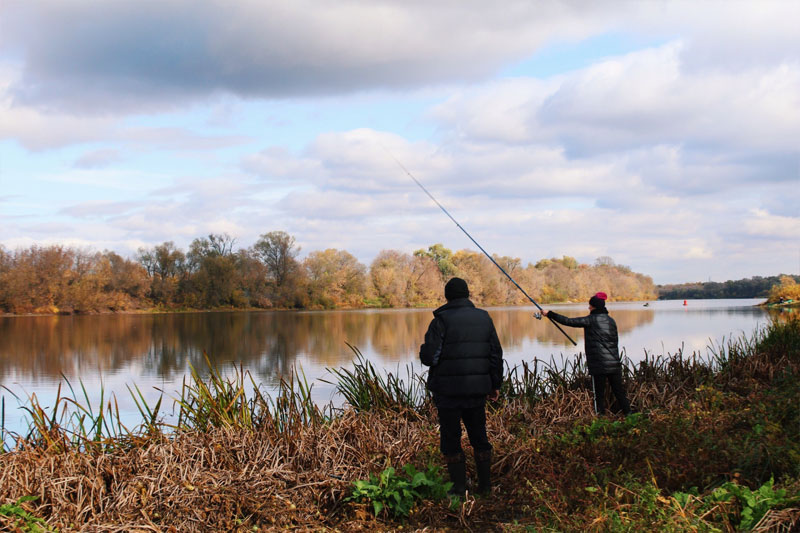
(579, 322)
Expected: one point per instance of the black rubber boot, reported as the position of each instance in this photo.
(457, 468)
(483, 464)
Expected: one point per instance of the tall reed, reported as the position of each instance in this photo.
(2, 424)
(73, 422)
(365, 388)
(293, 407)
(217, 401)
(203, 403)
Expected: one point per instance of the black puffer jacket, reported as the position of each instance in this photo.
(600, 337)
(463, 351)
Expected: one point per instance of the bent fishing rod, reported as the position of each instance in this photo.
(421, 186)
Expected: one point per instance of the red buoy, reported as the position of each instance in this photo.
(684, 302)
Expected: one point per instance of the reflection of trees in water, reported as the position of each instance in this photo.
(395, 334)
(783, 313)
(263, 346)
(163, 345)
(739, 311)
(266, 343)
(46, 347)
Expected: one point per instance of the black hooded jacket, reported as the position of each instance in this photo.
(462, 350)
(600, 337)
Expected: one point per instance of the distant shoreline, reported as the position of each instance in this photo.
(156, 311)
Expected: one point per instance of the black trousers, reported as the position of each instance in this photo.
(474, 419)
(599, 386)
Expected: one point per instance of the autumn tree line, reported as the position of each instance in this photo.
(214, 274)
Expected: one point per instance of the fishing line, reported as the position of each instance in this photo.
(421, 186)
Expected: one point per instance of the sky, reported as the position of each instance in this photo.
(665, 135)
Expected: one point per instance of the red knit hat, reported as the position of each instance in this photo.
(602, 295)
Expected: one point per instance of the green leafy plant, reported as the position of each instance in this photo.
(755, 503)
(603, 427)
(683, 499)
(396, 493)
(25, 521)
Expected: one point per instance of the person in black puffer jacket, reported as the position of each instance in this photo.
(602, 351)
(466, 366)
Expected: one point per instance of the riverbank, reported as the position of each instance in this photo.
(791, 304)
(700, 453)
(159, 310)
(183, 310)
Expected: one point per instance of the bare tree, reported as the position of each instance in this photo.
(278, 252)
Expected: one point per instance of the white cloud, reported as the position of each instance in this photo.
(111, 179)
(177, 139)
(698, 252)
(675, 159)
(97, 159)
(640, 99)
(97, 209)
(45, 129)
(124, 57)
(39, 130)
(765, 224)
(276, 162)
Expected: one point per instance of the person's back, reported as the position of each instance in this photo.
(466, 365)
(602, 343)
(463, 368)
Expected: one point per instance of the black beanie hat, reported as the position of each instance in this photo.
(456, 288)
(597, 302)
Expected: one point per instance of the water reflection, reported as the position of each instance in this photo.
(269, 344)
(156, 350)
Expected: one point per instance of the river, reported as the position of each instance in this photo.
(155, 351)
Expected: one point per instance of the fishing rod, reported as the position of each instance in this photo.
(421, 186)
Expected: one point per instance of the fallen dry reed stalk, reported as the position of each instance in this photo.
(221, 479)
(779, 521)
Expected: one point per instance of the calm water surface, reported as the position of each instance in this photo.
(155, 351)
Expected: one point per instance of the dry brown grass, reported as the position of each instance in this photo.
(223, 479)
(234, 479)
